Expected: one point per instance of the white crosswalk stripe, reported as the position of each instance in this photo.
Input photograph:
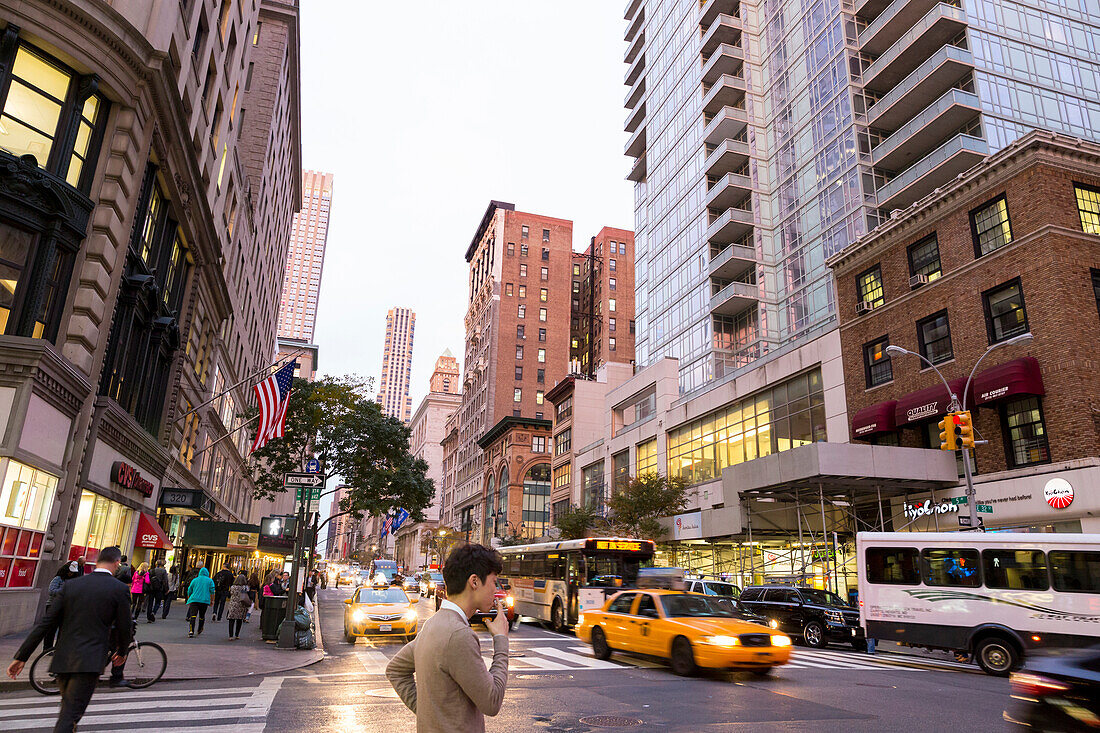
(240, 709)
(374, 661)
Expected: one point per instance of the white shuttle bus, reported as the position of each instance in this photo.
(993, 595)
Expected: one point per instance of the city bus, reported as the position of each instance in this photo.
(554, 581)
(990, 596)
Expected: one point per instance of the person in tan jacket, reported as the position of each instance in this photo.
(439, 675)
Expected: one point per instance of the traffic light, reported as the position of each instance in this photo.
(964, 430)
(947, 432)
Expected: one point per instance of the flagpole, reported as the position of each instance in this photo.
(234, 430)
(246, 379)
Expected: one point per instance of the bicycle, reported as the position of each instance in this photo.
(146, 663)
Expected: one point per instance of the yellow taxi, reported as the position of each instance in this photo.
(383, 611)
(687, 629)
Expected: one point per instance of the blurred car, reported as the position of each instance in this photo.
(686, 629)
(818, 616)
(429, 581)
(362, 577)
(385, 611)
(501, 596)
(1058, 692)
(345, 577)
(411, 583)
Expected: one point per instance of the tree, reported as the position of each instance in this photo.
(336, 417)
(575, 522)
(635, 508)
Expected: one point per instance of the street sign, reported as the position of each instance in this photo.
(964, 521)
(307, 493)
(302, 479)
(984, 508)
(959, 500)
(314, 466)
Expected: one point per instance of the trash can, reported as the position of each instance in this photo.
(272, 615)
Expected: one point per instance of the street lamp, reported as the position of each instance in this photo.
(956, 406)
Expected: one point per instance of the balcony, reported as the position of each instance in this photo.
(869, 8)
(728, 91)
(631, 8)
(727, 191)
(891, 23)
(726, 59)
(730, 226)
(939, 167)
(940, 25)
(634, 26)
(732, 262)
(635, 93)
(635, 118)
(635, 146)
(729, 156)
(724, 29)
(634, 71)
(727, 124)
(734, 298)
(936, 75)
(638, 171)
(714, 8)
(924, 132)
(635, 48)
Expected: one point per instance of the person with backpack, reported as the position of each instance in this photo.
(157, 590)
(223, 579)
(173, 589)
(237, 604)
(66, 572)
(125, 573)
(200, 594)
(137, 589)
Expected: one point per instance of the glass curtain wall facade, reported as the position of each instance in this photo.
(768, 137)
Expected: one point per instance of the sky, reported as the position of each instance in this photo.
(427, 111)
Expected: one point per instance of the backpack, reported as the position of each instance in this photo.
(125, 573)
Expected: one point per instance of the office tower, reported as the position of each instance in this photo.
(602, 303)
(393, 391)
(306, 259)
(767, 137)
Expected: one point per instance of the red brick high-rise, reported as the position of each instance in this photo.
(606, 301)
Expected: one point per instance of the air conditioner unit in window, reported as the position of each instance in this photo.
(917, 280)
(864, 307)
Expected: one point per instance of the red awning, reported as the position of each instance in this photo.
(926, 404)
(874, 419)
(150, 535)
(1016, 377)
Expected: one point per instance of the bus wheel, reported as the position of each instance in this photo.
(997, 656)
(557, 617)
(600, 649)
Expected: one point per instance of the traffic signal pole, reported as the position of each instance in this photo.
(286, 628)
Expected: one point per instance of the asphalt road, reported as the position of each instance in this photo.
(554, 685)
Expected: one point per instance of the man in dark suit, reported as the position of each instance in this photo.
(93, 612)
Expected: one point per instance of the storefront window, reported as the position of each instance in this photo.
(27, 496)
(100, 523)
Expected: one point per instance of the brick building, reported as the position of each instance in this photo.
(603, 301)
(446, 377)
(516, 500)
(1010, 247)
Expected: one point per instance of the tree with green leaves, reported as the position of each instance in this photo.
(336, 417)
(637, 505)
(575, 522)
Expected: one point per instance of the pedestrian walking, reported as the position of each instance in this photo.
(200, 594)
(173, 589)
(93, 614)
(67, 571)
(137, 589)
(237, 605)
(125, 573)
(440, 675)
(223, 579)
(254, 593)
(158, 589)
(311, 587)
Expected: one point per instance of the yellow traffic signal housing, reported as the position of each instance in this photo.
(947, 432)
(964, 430)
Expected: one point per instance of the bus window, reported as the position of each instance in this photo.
(1015, 569)
(1075, 571)
(953, 568)
(606, 571)
(893, 565)
(555, 568)
(511, 565)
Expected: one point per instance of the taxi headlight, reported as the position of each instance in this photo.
(410, 615)
(774, 624)
(358, 616)
(780, 640)
(721, 640)
(510, 601)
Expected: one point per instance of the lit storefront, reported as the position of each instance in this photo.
(26, 498)
(100, 522)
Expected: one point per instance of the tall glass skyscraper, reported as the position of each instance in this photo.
(769, 136)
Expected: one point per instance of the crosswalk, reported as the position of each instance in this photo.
(163, 710)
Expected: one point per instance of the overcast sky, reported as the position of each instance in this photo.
(425, 112)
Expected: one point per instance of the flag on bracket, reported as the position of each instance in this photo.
(387, 524)
(399, 519)
(272, 396)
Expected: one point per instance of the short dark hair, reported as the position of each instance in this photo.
(120, 552)
(110, 554)
(467, 560)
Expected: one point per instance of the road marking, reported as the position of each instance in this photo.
(99, 705)
(374, 662)
(135, 695)
(626, 660)
(588, 662)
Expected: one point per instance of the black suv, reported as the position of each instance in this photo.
(818, 616)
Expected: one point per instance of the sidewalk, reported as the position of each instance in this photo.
(209, 655)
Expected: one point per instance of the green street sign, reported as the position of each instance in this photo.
(310, 494)
(956, 500)
(984, 508)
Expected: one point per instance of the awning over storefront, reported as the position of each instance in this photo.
(1016, 377)
(874, 419)
(926, 404)
(150, 535)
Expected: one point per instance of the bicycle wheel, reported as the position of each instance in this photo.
(41, 678)
(145, 664)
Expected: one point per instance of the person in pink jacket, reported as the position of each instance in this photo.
(137, 589)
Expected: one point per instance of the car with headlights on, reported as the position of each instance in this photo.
(379, 611)
(1057, 691)
(429, 581)
(817, 616)
(686, 629)
(345, 577)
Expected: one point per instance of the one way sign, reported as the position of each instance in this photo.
(297, 480)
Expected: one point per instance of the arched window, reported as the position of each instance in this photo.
(536, 500)
(490, 501)
(501, 526)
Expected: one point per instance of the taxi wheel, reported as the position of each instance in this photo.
(557, 617)
(814, 635)
(600, 649)
(763, 672)
(349, 637)
(683, 660)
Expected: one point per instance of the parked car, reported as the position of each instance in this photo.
(817, 616)
(1058, 692)
(429, 581)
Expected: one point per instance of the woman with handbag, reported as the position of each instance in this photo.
(254, 594)
(237, 605)
(137, 589)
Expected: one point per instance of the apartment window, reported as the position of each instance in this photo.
(1025, 432)
(542, 356)
(519, 331)
(934, 336)
(517, 396)
(611, 264)
(576, 270)
(622, 248)
(563, 442)
(632, 327)
(576, 342)
(524, 231)
(523, 291)
(523, 270)
(519, 352)
(538, 397)
(511, 249)
(1088, 206)
(540, 376)
(611, 305)
(924, 259)
(546, 235)
(522, 310)
(256, 35)
(1005, 316)
(869, 288)
(519, 373)
(545, 273)
(576, 286)
(576, 304)
(542, 314)
(611, 343)
(876, 363)
(542, 334)
(990, 226)
(545, 253)
(611, 283)
(543, 294)
(538, 443)
(508, 289)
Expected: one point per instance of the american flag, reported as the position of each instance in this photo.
(272, 395)
(386, 524)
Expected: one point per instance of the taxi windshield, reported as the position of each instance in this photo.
(383, 595)
(824, 597)
(697, 606)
